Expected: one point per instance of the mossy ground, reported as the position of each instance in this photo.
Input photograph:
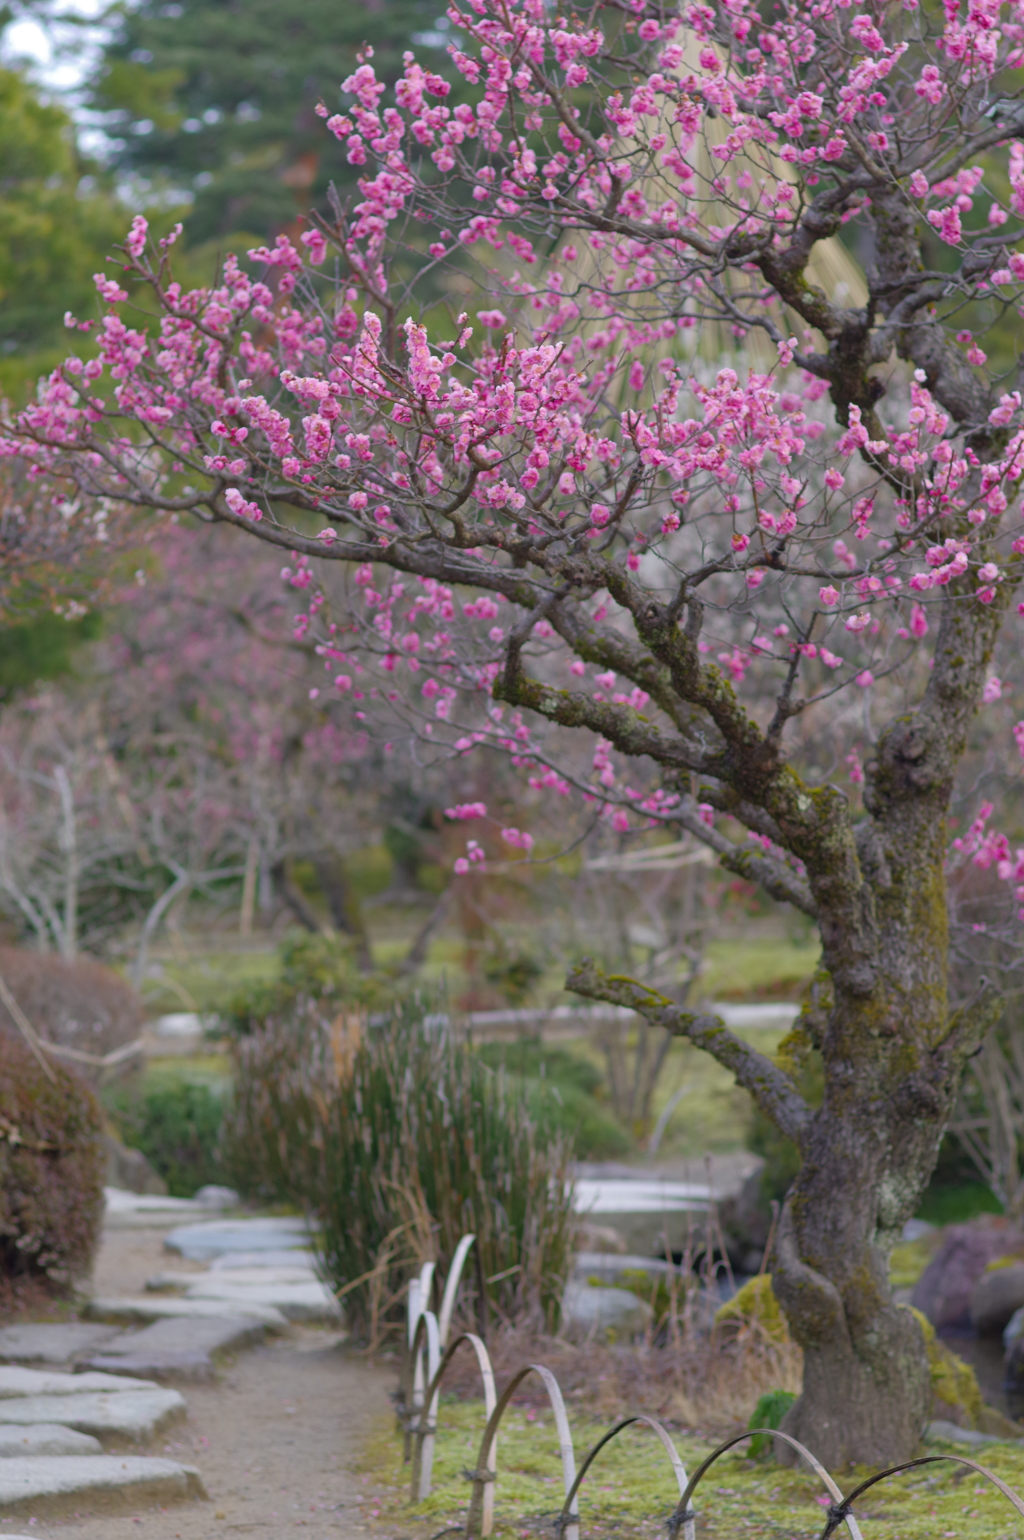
(631, 1488)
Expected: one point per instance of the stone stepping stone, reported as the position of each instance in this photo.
(16, 1382)
(138, 1414)
(312, 1301)
(203, 1242)
(260, 1277)
(45, 1438)
(296, 1256)
(107, 1483)
(57, 1344)
(177, 1349)
(135, 1210)
(154, 1307)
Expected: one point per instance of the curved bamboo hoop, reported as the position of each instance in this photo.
(570, 1513)
(451, 1288)
(684, 1511)
(423, 1458)
(419, 1296)
(426, 1343)
(836, 1518)
(670, 1450)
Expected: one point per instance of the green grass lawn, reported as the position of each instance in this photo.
(631, 1488)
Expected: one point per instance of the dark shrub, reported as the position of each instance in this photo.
(51, 1171)
(81, 1005)
(177, 1128)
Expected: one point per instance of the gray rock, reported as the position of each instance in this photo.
(177, 1350)
(609, 1268)
(312, 1301)
(138, 1414)
(56, 1344)
(998, 1293)
(45, 1438)
(1014, 1328)
(51, 1487)
(214, 1197)
(601, 1310)
(35, 1382)
(944, 1290)
(203, 1242)
(948, 1433)
(153, 1307)
(129, 1171)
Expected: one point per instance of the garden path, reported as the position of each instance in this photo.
(275, 1435)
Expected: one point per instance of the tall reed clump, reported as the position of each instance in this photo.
(397, 1140)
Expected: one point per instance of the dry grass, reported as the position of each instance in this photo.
(706, 1382)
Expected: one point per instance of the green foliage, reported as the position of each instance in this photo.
(768, 1413)
(564, 1092)
(177, 1127)
(52, 237)
(311, 966)
(42, 648)
(216, 97)
(513, 973)
(398, 1139)
(51, 1170)
(947, 1205)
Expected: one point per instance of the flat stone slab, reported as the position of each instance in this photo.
(203, 1242)
(312, 1301)
(155, 1307)
(134, 1210)
(51, 1487)
(137, 1414)
(259, 1277)
(178, 1350)
(57, 1344)
(45, 1438)
(16, 1382)
(295, 1256)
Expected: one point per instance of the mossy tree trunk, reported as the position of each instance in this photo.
(891, 1048)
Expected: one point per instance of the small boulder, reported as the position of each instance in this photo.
(755, 1303)
(605, 1312)
(944, 1291)
(997, 1294)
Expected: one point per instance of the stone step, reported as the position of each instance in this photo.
(312, 1301)
(177, 1350)
(152, 1307)
(106, 1483)
(51, 1344)
(138, 1414)
(45, 1438)
(36, 1382)
(261, 1277)
(203, 1242)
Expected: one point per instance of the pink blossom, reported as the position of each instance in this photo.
(828, 595)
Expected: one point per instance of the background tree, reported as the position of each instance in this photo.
(587, 527)
(53, 229)
(218, 99)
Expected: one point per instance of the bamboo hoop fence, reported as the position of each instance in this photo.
(428, 1356)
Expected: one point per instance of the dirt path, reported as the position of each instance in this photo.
(274, 1438)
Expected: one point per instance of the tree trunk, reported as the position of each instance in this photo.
(892, 1059)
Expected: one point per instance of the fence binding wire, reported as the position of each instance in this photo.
(428, 1357)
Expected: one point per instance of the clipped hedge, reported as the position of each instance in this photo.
(51, 1171)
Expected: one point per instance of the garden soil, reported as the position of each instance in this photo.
(277, 1438)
